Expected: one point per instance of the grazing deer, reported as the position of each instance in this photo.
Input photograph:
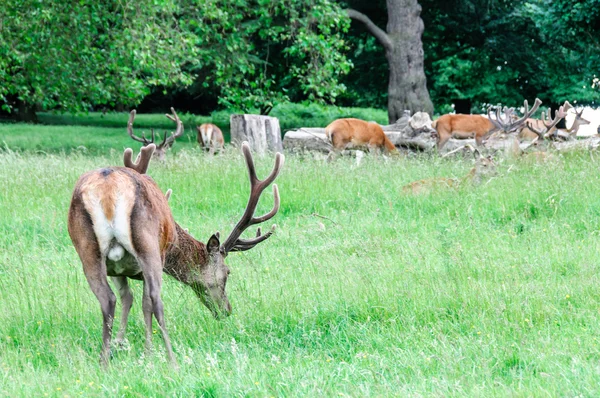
(356, 133)
(484, 168)
(121, 226)
(478, 126)
(167, 141)
(210, 137)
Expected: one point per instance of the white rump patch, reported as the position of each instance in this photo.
(114, 236)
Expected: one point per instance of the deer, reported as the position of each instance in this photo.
(577, 122)
(122, 227)
(478, 126)
(168, 140)
(356, 133)
(210, 137)
(527, 134)
(484, 168)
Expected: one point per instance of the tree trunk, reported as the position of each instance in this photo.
(262, 132)
(25, 112)
(407, 85)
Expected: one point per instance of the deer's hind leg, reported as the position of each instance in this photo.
(152, 266)
(94, 267)
(126, 303)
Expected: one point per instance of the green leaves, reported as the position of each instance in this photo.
(71, 56)
(257, 53)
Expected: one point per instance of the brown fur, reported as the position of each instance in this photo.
(461, 127)
(217, 142)
(346, 133)
(155, 238)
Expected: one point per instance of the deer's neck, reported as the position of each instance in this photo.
(185, 257)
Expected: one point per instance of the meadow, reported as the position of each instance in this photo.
(484, 291)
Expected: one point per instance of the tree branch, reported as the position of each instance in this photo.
(372, 28)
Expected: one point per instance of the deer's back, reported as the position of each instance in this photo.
(120, 207)
(356, 131)
(463, 124)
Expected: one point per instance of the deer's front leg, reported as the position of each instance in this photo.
(152, 302)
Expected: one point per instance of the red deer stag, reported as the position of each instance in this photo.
(167, 141)
(544, 129)
(478, 126)
(356, 133)
(210, 137)
(121, 226)
(527, 134)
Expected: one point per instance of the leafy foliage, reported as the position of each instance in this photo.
(260, 53)
(72, 55)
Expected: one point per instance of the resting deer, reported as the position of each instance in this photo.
(484, 168)
(167, 141)
(210, 137)
(356, 133)
(121, 226)
(527, 134)
(478, 126)
(577, 122)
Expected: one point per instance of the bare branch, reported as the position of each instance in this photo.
(376, 31)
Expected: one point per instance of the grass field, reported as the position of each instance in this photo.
(485, 291)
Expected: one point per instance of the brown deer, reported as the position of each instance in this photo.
(577, 122)
(544, 129)
(527, 134)
(210, 137)
(167, 141)
(484, 168)
(478, 126)
(356, 133)
(121, 226)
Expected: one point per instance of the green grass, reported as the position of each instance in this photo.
(487, 291)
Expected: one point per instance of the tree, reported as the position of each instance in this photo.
(258, 53)
(407, 85)
(73, 55)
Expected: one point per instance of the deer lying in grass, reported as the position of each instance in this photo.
(210, 137)
(477, 126)
(527, 134)
(167, 141)
(121, 226)
(484, 168)
(356, 133)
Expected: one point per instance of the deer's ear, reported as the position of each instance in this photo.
(213, 244)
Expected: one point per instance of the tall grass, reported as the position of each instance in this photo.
(363, 291)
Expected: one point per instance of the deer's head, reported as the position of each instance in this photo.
(211, 279)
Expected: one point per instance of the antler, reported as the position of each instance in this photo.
(143, 159)
(169, 139)
(143, 140)
(505, 123)
(560, 114)
(233, 242)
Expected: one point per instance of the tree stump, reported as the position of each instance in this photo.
(262, 132)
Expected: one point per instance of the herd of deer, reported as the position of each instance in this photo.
(122, 227)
